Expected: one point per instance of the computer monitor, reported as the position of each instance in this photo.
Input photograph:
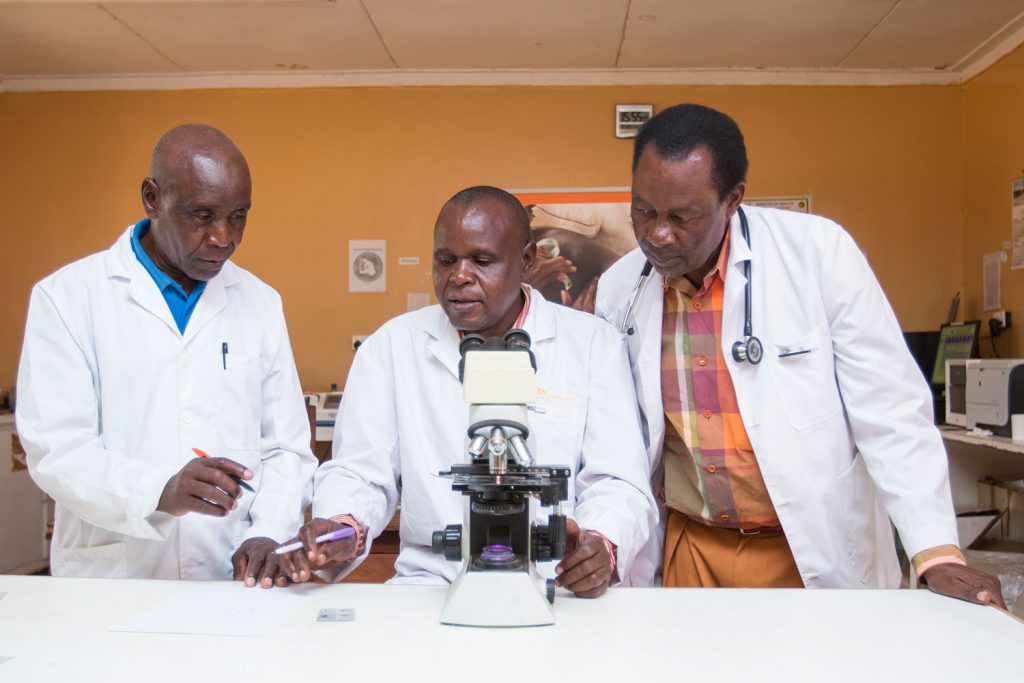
(956, 340)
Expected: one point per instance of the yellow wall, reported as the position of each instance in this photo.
(334, 165)
(994, 157)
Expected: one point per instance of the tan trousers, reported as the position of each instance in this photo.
(699, 556)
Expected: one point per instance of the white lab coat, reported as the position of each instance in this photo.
(402, 420)
(843, 433)
(112, 398)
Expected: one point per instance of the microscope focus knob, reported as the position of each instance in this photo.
(448, 542)
(551, 591)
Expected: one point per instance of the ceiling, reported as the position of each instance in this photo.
(145, 44)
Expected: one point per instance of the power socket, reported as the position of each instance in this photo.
(1000, 320)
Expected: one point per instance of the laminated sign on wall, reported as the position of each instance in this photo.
(367, 271)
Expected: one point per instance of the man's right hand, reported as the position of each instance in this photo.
(299, 564)
(204, 485)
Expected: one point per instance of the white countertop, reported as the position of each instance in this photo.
(57, 630)
(1001, 443)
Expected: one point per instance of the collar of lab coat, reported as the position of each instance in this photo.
(444, 344)
(123, 264)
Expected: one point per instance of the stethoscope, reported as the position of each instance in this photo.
(749, 348)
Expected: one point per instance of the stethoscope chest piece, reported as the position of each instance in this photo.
(748, 349)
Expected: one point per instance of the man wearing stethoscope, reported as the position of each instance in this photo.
(785, 420)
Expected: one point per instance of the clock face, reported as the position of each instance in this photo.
(629, 118)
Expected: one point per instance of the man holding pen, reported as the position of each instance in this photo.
(141, 358)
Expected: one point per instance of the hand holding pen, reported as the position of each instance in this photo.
(209, 486)
(320, 543)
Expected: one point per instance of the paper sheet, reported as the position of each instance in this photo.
(1017, 227)
(219, 610)
(991, 280)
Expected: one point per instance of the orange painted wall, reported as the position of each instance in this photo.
(334, 165)
(994, 157)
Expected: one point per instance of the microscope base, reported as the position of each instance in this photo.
(497, 598)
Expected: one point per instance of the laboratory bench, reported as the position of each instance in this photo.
(54, 629)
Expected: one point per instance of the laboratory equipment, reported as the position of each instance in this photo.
(995, 391)
(498, 542)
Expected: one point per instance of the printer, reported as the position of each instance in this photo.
(995, 391)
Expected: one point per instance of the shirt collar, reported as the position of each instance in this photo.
(684, 286)
(162, 279)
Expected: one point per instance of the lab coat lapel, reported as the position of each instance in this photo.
(540, 321)
(123, 264)
(211, 302)
(735, 280)
(647, 371)
(444, 341)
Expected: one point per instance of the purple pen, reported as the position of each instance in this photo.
(336, 535)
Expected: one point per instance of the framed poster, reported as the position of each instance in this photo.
(580, 233)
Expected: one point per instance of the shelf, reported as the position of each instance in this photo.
(998, 442)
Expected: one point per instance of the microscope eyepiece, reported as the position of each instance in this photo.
(469, 342)
(517, 339)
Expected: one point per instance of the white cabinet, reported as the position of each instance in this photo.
(23, 545)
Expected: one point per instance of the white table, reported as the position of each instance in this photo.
(57, 630)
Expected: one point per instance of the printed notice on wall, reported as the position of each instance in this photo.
(366, 265)
(1017, 234)
(800, 204)
(991, 267)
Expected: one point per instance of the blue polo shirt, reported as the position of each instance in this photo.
(180, 303)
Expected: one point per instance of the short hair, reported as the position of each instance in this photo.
(677, 131)
(481, 193)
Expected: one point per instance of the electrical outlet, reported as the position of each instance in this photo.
(358, 339)
(1000, 320)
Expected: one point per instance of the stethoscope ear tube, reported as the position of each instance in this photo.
(749, 349)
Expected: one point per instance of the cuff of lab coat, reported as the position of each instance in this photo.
(151, 524)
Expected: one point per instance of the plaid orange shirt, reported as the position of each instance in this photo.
(711, 473)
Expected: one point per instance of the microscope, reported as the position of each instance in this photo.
(498, 543)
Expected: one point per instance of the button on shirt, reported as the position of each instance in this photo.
(711, 473)
(180, 303)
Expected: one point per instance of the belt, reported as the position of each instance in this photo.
(758, 530)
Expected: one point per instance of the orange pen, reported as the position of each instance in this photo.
(243, 484)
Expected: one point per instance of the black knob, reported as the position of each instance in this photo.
(557, 536)
(448, 542)
(551, 591)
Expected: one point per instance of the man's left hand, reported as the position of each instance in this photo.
(255, 562)
(586, 569)
(964, 583)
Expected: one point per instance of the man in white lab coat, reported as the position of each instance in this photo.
(156, 378)
(402, 419)
(785, 439)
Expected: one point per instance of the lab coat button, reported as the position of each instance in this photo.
(183, 357)
(186, 418)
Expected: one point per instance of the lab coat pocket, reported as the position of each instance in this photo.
(558, 429)
(239, 419)
(854, 501)
(108, 561)
(804, 375)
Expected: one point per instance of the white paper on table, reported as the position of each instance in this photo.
(218, 610)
